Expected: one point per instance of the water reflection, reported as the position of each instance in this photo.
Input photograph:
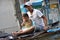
(51, 37)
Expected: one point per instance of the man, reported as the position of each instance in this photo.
(37, 16)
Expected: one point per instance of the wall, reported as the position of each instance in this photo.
(8, 21)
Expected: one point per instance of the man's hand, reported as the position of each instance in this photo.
(45, 28)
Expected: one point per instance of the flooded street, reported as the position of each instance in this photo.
(51, 37)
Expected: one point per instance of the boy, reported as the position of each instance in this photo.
(27, 26)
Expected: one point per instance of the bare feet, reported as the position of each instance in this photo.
(14, 33)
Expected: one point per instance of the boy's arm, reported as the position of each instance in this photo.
(22, 24)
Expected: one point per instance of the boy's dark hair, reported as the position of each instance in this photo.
(25, 15)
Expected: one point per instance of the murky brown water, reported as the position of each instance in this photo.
(51, 37)
(48, 37)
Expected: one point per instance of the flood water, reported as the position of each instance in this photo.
(48, 37)
(51, 37)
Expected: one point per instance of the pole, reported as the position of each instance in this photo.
(18, 12)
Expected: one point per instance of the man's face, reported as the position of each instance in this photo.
(28, 8)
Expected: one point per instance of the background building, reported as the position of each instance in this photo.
(52, 10)
(8, 21)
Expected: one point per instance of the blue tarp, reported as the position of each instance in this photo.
(23, 9)
(36, 3)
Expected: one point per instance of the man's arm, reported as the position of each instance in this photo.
(40, 14)
(45, 20)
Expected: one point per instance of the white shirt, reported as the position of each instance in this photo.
(36, 16)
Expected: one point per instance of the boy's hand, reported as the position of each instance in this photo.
(23, 20)
(22, 24)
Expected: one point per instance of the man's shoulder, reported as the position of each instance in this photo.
(28, 12)
(36, 10)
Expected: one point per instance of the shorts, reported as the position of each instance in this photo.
(40, 28)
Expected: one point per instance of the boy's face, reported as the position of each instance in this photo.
(25, 18)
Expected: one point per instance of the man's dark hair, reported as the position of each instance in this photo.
(25, 6)
(25, 15)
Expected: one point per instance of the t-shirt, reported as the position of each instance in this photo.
(27, 25)
(36, 16)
